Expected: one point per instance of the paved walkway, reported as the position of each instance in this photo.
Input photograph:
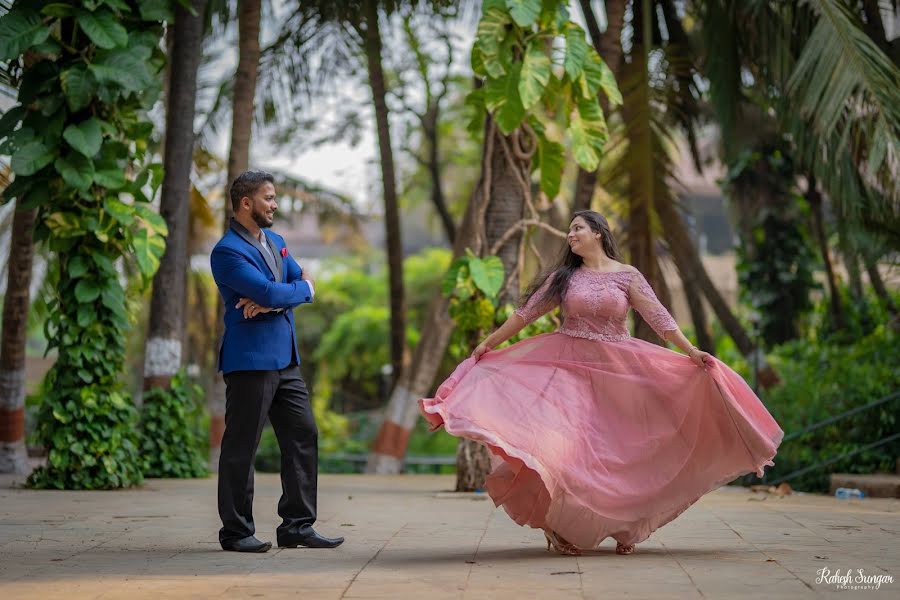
(407, 537)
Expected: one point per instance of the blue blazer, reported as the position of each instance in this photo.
(242, 269)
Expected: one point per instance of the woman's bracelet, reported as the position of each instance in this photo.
(691, 350)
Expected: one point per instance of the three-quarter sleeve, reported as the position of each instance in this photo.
(644, 300)
(539, 304)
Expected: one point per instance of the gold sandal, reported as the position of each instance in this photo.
(624, 548)
(560, 545)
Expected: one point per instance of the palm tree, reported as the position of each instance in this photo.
(13, 457)
(163, 355)
(244, 93)
(334, 34)
(833, 88)
(609, 46)
(16, 303)
(370, 31)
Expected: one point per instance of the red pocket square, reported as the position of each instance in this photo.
(284, 251)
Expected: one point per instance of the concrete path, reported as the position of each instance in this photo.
(408, 537)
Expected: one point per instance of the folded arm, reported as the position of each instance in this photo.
(233, 270)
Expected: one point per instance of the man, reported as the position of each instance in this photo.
(261, 284)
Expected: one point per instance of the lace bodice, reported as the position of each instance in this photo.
(596, 305)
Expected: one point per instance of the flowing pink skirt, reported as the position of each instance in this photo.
(603, 439)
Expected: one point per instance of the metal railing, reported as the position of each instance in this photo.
(794, 435)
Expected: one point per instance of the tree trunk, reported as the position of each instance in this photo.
(393, 235)
(641, 178)
(834, 295)
(879, 287)
(13, 455)
(238, 161)
(685, 253)
(698, 313)
(505, 209)
(434, 168)
(850, 256)
(609, 46)
(163, 351)
(402, 411)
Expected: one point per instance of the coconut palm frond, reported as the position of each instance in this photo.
(849, 91)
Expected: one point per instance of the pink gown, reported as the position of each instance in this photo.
(596, 434)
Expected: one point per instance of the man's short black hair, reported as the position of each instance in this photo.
(246, 184)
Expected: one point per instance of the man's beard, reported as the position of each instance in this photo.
(260, 218)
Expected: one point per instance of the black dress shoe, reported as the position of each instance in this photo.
(308, 538)
(247, 544)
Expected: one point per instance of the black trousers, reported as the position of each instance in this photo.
(250, 396)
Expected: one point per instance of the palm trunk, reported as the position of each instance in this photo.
(690, 265)
(698, 313)
(13, 456)
(393, 235)
(609, 46)
(641, 178)
(879, 287)
(401, 413)
(434, 169)
(238, 161)
(163, 352)
(834, 295)
(851, 262)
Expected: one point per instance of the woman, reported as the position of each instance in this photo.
(594, 433)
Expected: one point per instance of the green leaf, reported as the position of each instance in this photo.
(10, 120)
(491, 31)
(588, 131)
(487, 274)
(147, 250)
(593, 122)
(153, 220)
(79, 86)
(501, 96)
(124, 67)
(478, 62)
(86, 315)
(524, 12)
(554, 14)
(20, 29)
(576, 51)
(608, 84)
(103, 262)
(103, 29)
(120, 5)
(120, 211)
(77, 170)
(592, 75)
(551, 160)
(59, 10)
(63, 225)
(448, 283)
(86, 291)
(111, 177)
(535, 74)
(77, 267)
(85, 137)
(156, 10)
(31, 158)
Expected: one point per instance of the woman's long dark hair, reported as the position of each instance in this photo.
(568, 261)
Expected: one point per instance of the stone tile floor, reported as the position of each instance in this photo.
(408, 538)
